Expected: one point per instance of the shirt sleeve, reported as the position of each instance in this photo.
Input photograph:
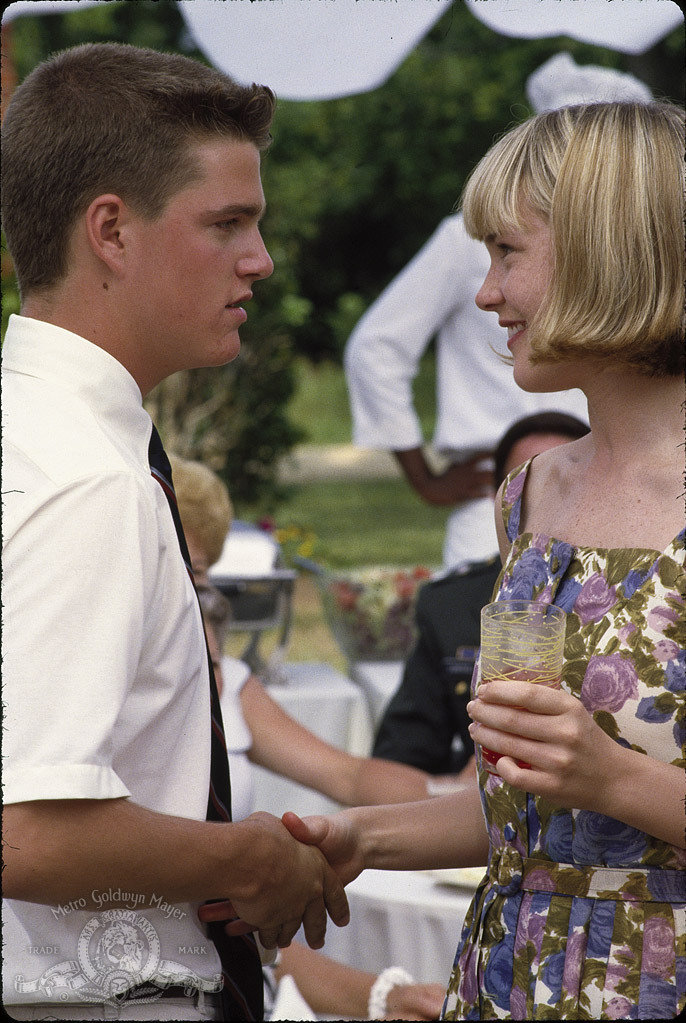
(79, 574)
(382, 355)
(417, 727)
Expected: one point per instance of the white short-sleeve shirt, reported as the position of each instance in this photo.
(105, 678)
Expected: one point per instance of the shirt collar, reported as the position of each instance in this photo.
(66, 360)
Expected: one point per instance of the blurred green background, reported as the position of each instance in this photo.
(354, 187)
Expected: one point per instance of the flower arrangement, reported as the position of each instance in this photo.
(296, 542)
(370, 611)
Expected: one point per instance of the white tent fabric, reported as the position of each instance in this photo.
(310, 49)
(630, 26)
(31, 7)
(323, 49)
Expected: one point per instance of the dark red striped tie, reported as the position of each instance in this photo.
(242, 993)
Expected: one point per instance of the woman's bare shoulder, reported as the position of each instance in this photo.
(553, 481)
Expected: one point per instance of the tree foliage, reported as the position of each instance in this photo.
(358, 184)
(354, 188)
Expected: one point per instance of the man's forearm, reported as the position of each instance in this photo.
(60, 851)
(69, 853)
(416, 469)
(463, 481)
(56, 851)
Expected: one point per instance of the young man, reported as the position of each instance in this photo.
(131, 205)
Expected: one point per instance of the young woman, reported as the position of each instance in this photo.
(582, 914)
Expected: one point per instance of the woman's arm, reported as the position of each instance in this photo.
(574, 763)
(341, 991)
(283, 745)
(447, 831)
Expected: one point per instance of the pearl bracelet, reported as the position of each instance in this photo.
(392, 977)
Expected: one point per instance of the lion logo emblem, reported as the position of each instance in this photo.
(118, 959)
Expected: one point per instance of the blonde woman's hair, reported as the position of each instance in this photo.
(609, 179)
(204, 504)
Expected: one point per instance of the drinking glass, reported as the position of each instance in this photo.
(524, 641)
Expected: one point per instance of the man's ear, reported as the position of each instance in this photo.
(105, 221)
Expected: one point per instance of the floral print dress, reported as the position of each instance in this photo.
(581, 916)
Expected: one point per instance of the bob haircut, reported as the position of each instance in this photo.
(108, 117)
(609, 180)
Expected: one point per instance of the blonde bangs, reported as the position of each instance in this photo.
(609, 179)
(515, 177)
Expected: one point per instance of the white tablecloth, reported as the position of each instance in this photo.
(379, 681)
(401, 918)
(332, 707)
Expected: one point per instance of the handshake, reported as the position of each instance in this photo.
(294, 876)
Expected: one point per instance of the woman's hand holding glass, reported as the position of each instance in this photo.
(573, 762)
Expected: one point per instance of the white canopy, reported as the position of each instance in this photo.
(322, 49)
(21, 7)
(631, 26)
(310, 49)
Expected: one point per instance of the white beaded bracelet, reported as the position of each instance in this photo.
(392, 977)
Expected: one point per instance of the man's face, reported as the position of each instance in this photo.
(192, 269)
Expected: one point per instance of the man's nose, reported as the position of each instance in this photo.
(258, 264)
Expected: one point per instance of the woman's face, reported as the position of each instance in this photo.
(520, 272)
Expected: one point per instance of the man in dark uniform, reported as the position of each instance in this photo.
(426, 722)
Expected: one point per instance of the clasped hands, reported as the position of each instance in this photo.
(291, 884)
(574, 764)
(571, 757)
(460, 481)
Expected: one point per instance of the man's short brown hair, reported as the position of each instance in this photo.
(108, 117)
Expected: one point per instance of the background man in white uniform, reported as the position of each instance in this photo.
(476, 397)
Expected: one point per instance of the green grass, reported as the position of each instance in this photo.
(371, 522)
(354, 524)
(320, 404)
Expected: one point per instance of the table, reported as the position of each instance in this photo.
(332, 707)
(379, 681)
(401, 918)
(251, 575)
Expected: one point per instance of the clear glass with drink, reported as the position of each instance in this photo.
(524, 641)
